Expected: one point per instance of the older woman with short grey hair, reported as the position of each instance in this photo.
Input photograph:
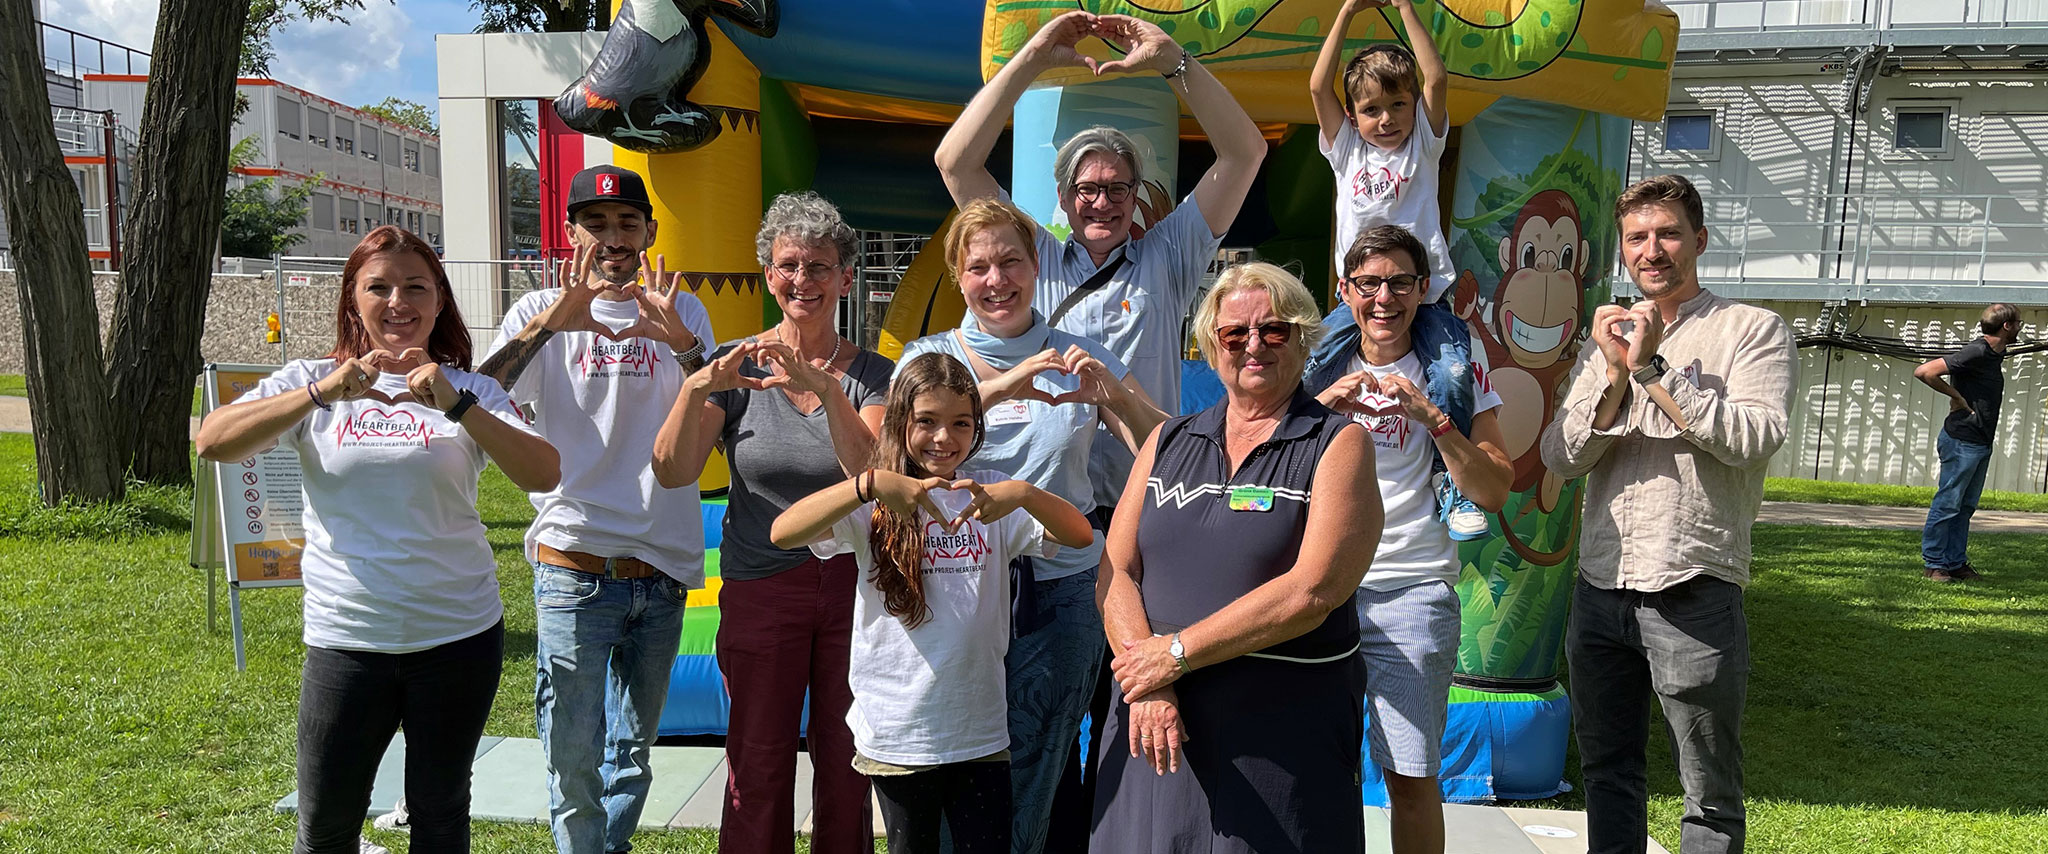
(795, 410)
(1250, 525)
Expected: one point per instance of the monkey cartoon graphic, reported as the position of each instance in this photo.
(1527, 331)
(635, 92)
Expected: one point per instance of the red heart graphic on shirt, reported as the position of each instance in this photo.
(1377, 405)
(391, 399)
(378, 423)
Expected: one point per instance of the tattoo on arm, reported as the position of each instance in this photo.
(511, 360)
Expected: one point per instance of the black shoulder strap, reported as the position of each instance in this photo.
(1093, 284)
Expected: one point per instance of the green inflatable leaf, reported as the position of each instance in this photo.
(1653, 45)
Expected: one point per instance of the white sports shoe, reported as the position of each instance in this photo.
(373, 848)
(397, 819)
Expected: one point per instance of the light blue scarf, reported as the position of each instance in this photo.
(1004, 353)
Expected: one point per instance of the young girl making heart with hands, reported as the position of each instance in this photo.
(931, 614)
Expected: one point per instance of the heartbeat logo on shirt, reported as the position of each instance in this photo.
(957, 551)
(635, 357)
(1381, 183)
(371, 424)
(1388, 431)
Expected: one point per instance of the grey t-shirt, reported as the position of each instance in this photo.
(779, 455)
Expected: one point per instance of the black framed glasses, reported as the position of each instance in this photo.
(1117, 191)
(1274, 334)
(1367, 287)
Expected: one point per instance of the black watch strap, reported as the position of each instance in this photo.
(462, 404)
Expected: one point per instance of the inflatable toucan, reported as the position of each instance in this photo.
(634, 92)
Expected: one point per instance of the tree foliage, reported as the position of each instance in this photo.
(412, 114)
(541, 16)
(261, 218)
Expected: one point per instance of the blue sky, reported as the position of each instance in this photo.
(386, 48)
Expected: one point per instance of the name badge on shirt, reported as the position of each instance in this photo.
(1255, 499)
(1009, 412)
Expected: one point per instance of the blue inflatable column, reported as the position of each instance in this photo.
(1141, 106)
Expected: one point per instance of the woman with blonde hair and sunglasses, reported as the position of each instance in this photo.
(1249, 525)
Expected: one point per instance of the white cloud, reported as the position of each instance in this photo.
(342, 61)
(131, 23)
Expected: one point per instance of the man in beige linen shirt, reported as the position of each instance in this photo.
(1672, 419)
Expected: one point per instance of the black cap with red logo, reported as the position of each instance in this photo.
(608, 183)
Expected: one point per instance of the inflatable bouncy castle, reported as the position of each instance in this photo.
(725, 103)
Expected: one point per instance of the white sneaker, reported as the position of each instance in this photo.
(397, 819)
(373, 848)
(1467, 521)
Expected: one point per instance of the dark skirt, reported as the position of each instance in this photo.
(1271, 766)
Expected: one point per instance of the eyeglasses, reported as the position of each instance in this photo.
(1088, 193)
(815, 272)
(1366, 287)
(1235, 338)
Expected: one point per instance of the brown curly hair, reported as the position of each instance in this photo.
(897, 540)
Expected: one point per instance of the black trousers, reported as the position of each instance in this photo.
(350, 705)
(973, 798)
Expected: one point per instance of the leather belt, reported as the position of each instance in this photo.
(607, 567)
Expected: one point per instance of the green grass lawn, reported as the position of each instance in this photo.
(1874, 495)
(1885, 714)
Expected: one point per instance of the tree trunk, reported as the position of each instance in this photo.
(172, 226)
(76, 449)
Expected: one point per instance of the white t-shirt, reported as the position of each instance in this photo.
(395, 556)
(601, 403)
(934, 694)
(1416, 546)
(1399, 187)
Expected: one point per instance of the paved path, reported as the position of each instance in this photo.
(14, 416)
(1908, 518)
(688, 791)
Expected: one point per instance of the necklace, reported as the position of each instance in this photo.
(831, 360)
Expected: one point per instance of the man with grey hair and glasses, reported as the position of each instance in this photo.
(1103, 284)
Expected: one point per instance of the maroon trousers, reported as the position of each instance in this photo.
(777, 637)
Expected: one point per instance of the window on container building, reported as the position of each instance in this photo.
(432, 156)
(350, 211)
(389, 153)
(316, 127)
(432, 224)
(1921, 129)
(412, 156)
(321, 211)
(344, 136)
(288, 118)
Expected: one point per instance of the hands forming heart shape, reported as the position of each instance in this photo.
(356, 379)
(1363, 393)
(908, 495)
(1144, 45)
(1094, 385)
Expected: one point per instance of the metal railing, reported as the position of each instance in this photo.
(1754, 16)
(1874, 246)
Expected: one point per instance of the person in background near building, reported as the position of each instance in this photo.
(599, 360)
(1975, 385)
(1671, 419)
(1408, 611)
(403, 624)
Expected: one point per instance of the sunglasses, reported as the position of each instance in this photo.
(1235, 338)
(1366, 287)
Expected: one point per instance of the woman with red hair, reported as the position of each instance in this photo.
(403, 622)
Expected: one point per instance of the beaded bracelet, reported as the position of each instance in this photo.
(1180, 69)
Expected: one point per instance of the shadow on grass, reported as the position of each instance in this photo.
(1873, 686)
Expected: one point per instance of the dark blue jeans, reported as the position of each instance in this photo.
(351, 703)
(1945, 542)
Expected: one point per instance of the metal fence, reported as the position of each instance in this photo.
(1755, 16)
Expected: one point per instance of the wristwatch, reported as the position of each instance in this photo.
(1180, 654)
(1651, 372)
(462, 404)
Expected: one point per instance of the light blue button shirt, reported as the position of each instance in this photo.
(1138, 314)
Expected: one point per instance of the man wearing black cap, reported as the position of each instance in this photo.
(599, 362)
